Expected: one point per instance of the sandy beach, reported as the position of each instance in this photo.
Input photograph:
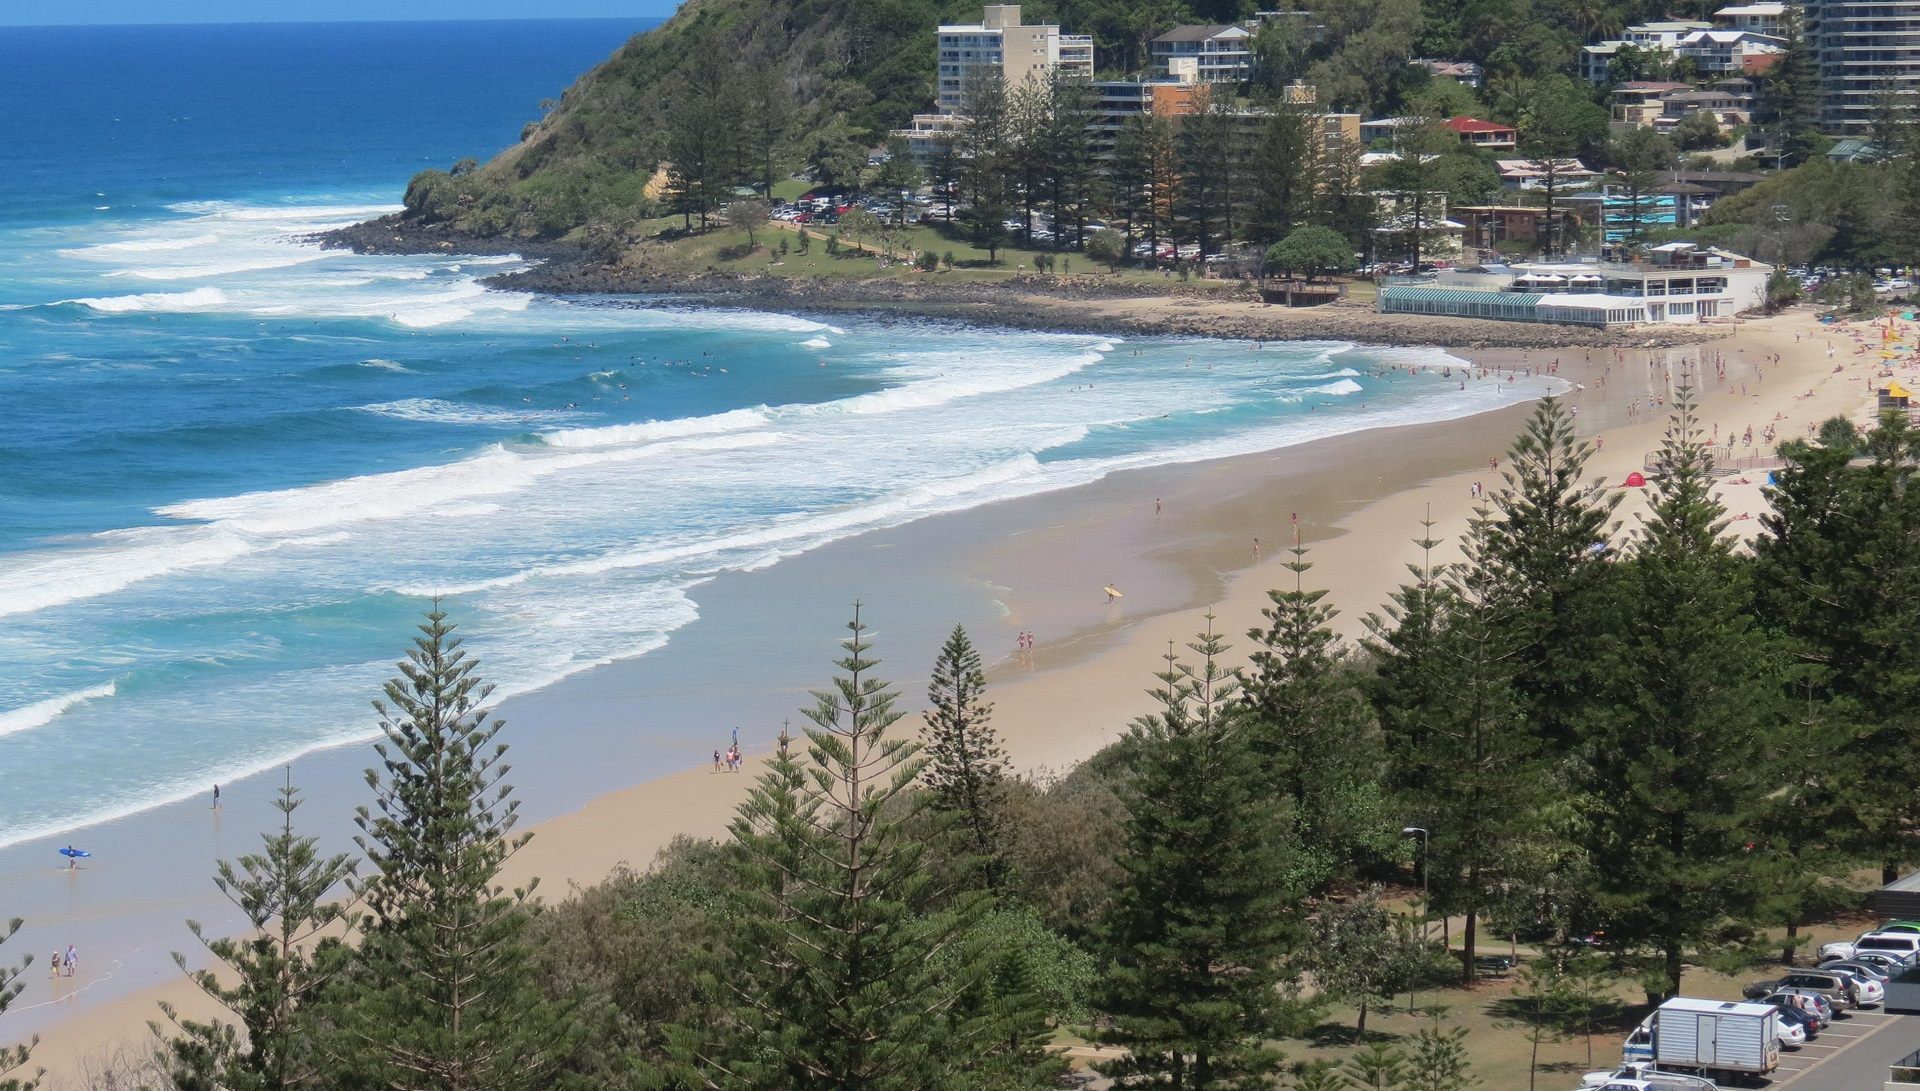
(1180, 541)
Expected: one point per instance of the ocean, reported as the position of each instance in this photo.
(235, 468)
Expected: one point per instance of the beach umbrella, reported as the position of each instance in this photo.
(1635, 480)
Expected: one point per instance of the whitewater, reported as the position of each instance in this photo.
(236, 467)
(343, 439)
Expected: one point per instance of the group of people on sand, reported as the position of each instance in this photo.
(728, 760)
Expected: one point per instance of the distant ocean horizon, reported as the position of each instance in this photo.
(235, 468)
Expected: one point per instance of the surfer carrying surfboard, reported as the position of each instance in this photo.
(1112, 592)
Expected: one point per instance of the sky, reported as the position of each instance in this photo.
(109, 12)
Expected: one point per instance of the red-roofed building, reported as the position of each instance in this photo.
(1484, 134)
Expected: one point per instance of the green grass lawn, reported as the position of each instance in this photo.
(1498, 1041)
(724, 249)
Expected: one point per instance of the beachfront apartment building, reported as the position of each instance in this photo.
(1678, 283)
(1117, 102)
(1862, 50)
(1001, 46)
(1765, 18)
(1731, 52)
(1662, 36)
(1637, 104)
(1206, 54)
(1004, 46)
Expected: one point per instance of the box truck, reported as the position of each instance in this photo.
(1722, 1040)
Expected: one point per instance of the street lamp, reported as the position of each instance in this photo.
(1423, 835)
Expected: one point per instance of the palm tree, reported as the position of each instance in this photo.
(1594, 19)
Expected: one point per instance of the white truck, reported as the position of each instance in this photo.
(1722, 1040)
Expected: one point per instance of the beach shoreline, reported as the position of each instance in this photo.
(1179, 538)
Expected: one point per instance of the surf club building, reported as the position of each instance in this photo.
(1677, 283)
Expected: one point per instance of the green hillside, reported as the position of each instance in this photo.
(771, 87)
(816, 81)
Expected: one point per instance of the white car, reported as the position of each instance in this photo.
(1901, 942)
(1643, 1076)
(1869, 992)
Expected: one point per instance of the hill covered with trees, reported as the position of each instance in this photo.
(785, 85)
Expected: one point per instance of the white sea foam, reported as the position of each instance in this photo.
(226, 266)
(816, 343)
(41, 713)
(437, 411)
(198, 299)
(1344, 386)
(735, 420)
(386, 365)
(116, 251)
(928, 393)
(786, 537)
(495, 472)
(117, 560)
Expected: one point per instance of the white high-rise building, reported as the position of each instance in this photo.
(1863, 50)
(999, 41)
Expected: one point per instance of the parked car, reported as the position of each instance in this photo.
(1868, 991)
(1812, 1003)
(1889, 962)
(1808, 1023)
(1842, 988)
(1639, 1074)
(1855, 966)
(1894, 937)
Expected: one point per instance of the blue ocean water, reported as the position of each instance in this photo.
(234, 467)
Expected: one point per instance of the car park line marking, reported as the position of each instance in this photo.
(1880, 1023)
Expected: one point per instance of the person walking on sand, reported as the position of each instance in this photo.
(1111, 592)
(216, 797)
(72, 961)
(716, 761)
(1256, 549)
(55, 961)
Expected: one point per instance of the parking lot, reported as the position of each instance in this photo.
(1851, 1055)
